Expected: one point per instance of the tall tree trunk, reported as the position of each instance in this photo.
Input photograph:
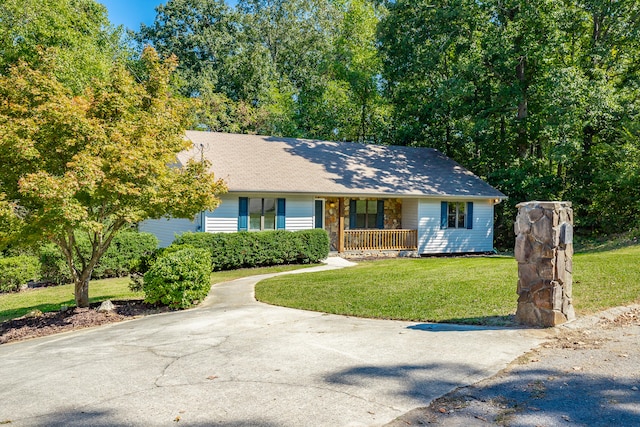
(522, 138)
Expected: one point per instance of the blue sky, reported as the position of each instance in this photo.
(131, 13)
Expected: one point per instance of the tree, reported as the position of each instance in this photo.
(537, 97)
(78, 30)
(357, 70)
(96, 162)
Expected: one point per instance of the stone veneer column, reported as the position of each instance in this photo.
(544, 251)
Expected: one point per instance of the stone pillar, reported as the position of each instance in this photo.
(544, 251)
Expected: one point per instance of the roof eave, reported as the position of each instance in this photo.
(494, 196)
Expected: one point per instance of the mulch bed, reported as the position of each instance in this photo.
(44, 324)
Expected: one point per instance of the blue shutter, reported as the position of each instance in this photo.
(380, 215)
(280, 213)
(352, 214)
(444, 210)
(469, 215)
(243, 214)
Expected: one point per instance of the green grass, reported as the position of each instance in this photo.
(476, 290)
(224, 276)
(51, 298)
(606, 279)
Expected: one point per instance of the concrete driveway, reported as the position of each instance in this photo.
(236, 362)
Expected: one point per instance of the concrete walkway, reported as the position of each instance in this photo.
(237, 362)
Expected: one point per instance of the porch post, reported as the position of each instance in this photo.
(340, 224)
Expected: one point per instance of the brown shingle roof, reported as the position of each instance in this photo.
(253, 163)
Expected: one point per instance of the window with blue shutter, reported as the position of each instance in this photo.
(257, 214)
(456, 215)
(366, 214)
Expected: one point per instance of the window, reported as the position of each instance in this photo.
(456, 215)
(257, 214)
(366, 214)
(262, 214)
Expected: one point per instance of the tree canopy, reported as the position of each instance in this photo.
(78, 30)
(538, 98)
(95, 162)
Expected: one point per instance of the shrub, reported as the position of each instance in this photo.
(16, 271)
(179, 279)
(257, 249)
(124, 254)
(123, 257)
(315, 245)
(54, 268)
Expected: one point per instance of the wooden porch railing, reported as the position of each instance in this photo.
(384, 240)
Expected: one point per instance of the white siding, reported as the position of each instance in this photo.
(224, 219)
(410, 214)
(300, 213)
(433, 240)
(167, 229)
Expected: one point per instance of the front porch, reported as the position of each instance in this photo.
(341, 220)
(381, 240)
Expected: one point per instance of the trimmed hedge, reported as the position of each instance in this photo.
(124, 254)
(178, 279)
(17, 271)
(259, 249)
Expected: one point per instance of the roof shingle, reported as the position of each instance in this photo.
(253, 163)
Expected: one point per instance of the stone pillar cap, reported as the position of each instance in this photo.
(545, 204)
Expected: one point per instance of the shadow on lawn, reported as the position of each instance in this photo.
(471, 323)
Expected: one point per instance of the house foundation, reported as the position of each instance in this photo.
(544, 251)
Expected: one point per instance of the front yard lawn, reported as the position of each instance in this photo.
(52, 298)
(475, 290)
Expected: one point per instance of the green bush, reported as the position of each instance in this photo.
(178, 279)
(258, 249)
(54, 268)
(124, 255)
(315, 244)
(17, 271)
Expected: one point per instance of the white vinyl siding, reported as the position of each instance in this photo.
(224, 219)
(300, 213)
(434, 240)
(167, 229)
